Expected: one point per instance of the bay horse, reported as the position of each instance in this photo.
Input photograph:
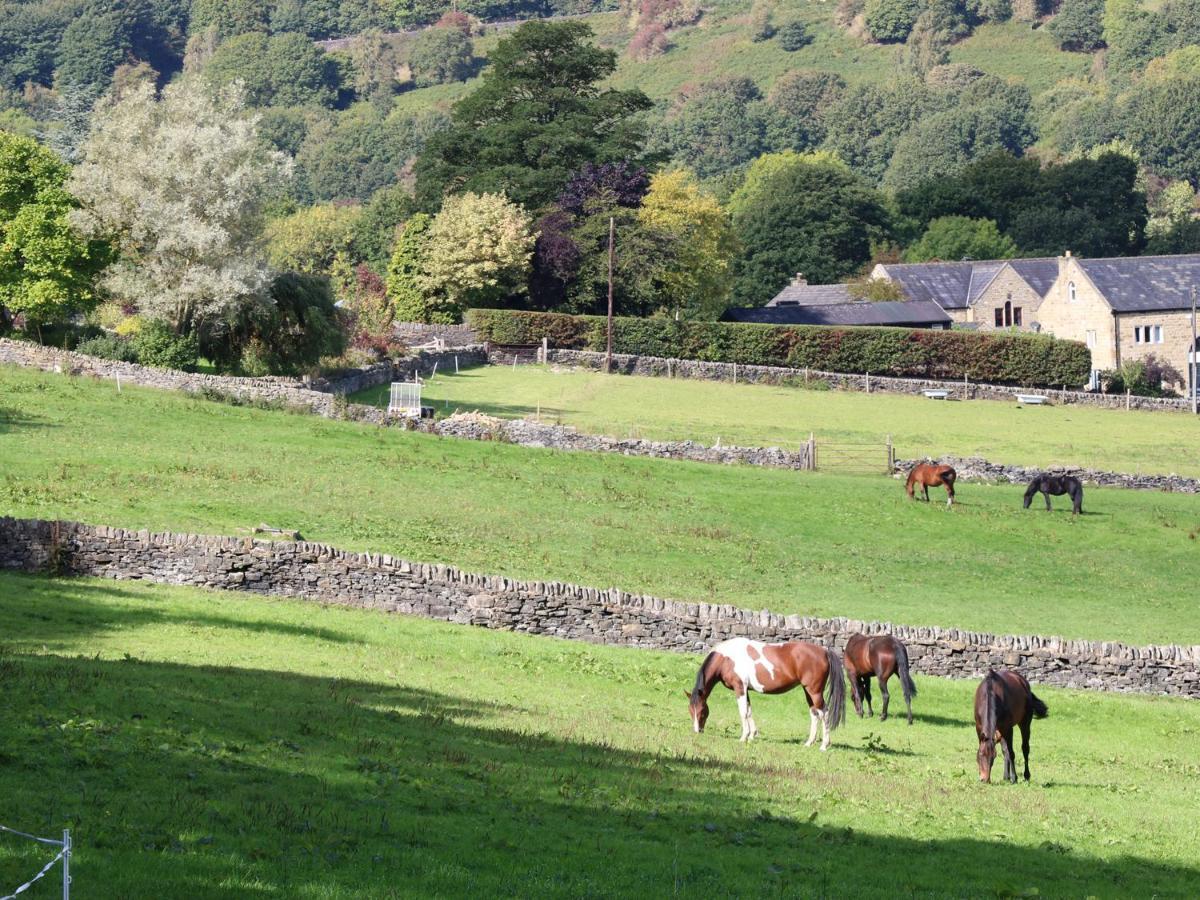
(1057, 485)
(743, 666)
(929, 475)
(1002, 700)
(882, 656)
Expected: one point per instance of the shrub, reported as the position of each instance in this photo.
(1146, 377)
(794, 36)
(1028, 360)
(157, 345)
(108, 346)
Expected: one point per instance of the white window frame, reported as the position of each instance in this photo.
(1071, 295)
(1156, 332)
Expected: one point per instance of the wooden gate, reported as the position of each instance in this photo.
(855, 458)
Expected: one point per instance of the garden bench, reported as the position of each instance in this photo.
(1031, 399)
(936, 395)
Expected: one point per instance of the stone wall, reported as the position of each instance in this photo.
(377, 581)
(625, 364)
(414, 333)
(976, 469)
(320, 396)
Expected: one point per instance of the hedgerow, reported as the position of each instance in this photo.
(997, 358)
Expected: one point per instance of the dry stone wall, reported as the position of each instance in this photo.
(654, 366)
(975, 469)
(378, 581)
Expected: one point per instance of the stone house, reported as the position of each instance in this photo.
(1126, 308)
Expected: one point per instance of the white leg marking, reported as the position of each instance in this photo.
(824, 731)
(744, 712)
(812, 727)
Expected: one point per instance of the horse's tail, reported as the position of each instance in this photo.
(912, 479)
(948, 475)
(906, 682)
(1040, 709)
(835, 702)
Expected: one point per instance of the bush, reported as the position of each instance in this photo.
(1027, 360)
(1146, 377)
(157, 345)
(108, 346)
(794, 36)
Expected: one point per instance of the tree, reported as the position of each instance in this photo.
(310, 239)
(537, 117)
(1134, 35)
(178, 185)
(697, 281)
(716, 129)
(957, 237)
(1078, 25)
(229, 17)
(378, 226)
(798, 102)
(283, 70)
(812, 216)
(46, 267)
(478, 251)
(864, 125)
(440, 56)
(794, 36)
(409, 300)
(1161, 119)
(890, 21)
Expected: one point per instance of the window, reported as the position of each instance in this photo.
(1017, 316)
(1071, 291)
(1147, 334)
(999, 317)
(1157, 334)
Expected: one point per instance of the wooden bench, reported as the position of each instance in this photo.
(1031, 399)
(936, 395)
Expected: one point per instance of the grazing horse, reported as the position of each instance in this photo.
(882, 656)
(930, 475)
(1002, 700)
(743, 665)
(1057, 485)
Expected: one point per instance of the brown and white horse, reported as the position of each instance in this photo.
(927, 475)
(882, 656)
(743, 666)
(1002, 700)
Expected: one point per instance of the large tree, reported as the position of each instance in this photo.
(46, 267)
(813, 216)
(717, 128)
(283, 70)
(957, 237)
(538, 116)
(178, 184)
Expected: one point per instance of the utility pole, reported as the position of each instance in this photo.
(1192, 355)
(612, 231)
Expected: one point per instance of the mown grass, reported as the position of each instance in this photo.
(205, 745)
(791, 542)
(761, 415)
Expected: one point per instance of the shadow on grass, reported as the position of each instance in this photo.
(228, 782)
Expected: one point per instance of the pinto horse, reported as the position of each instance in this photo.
(743, 666)
(1002, 700)
(1057, 485)
(929, 475)
(882, 656)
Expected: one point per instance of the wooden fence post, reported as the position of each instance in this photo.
(812, 452)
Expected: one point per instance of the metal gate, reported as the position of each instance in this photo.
(854, 458)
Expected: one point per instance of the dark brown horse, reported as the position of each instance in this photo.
(1002, 700)
(743, 665)
(1057, 485)
(882, 656)
(928, 475)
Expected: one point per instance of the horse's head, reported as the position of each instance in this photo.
(985, 757)
(698, 708)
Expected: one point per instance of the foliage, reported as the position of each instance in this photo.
(874, 289)
(108, 33)
(1078, 25)
(762, 26)
(379, 224)
(649, 41)
(798, 101)
(108, 346)
(409, 299)
(864, 125)
(1134, 35)
(177, 184)
(890, 21)
(280, 70)
(993, 358)
(698, 278)
(440, 56)
(794, 36)
(537, 117)
(812, 216)
(46, 267)
(157, 345)
(718, 128)
(1145, 377)
(477, 251)
(1160, 117)
(308, 240)
(957, 237)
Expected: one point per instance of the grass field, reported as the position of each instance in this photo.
(792, 542)
(207, 745)
(760, 415)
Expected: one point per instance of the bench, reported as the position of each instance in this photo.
(1031, 399)
(936, 395)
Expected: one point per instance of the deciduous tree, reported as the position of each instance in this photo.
(957, 237)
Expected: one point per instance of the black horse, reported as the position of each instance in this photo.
(1057, 485)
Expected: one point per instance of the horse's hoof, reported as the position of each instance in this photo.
(883, 718)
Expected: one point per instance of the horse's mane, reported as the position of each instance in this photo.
(702, 675)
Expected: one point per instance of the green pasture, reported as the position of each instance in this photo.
(817, 544)
(208, 745)
(761, 415)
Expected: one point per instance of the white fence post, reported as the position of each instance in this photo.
(67, 864)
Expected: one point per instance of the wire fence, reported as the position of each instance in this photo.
(64, 855)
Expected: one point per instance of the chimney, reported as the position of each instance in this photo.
(799, 280)
(1063, 260)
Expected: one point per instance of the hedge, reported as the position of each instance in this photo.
(996, 358)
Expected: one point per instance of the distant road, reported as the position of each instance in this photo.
(501, 24)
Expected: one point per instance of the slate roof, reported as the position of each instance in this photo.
(898, 313)
(1145, 283)
(1039, 273)
(811, 295)
(956, 285)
